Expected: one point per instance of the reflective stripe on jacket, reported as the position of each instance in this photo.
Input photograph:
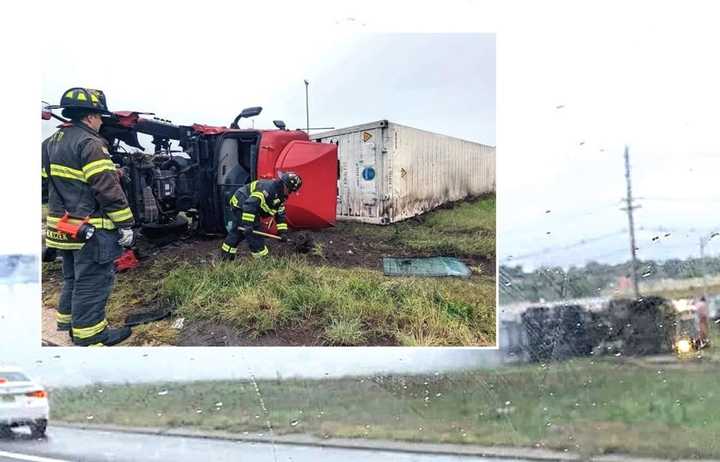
(261, 198)
(77, 159)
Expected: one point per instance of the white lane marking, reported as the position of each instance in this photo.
(29, 458)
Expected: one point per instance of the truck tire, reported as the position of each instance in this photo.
(37, 429)
(160, 231)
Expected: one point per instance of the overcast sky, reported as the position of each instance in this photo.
(438, 82)
(577, 87)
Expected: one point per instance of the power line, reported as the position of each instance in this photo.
(682, 199)
(549, 250)
(566, 215)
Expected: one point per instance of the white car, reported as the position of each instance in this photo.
(22, 402)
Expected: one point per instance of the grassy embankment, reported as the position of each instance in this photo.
(583, 406)
(309, 293)
(467, 229)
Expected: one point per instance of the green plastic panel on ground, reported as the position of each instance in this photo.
(427, 267)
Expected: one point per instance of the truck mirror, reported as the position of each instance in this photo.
(251, 111)
(279, 124)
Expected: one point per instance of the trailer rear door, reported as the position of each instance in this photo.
(314, 206)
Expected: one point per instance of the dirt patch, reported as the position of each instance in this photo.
(214, 334)
(337, 247)
(50, 335)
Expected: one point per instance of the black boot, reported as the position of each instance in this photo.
(114, 336)
(226, 256)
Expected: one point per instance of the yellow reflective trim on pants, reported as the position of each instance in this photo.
(261, 253)
(248, 217)
(97, 166)
(99, 344)
(87, 332)
(63, 318)
(63, 245)
(228, 249)
(102, 223)
(67, 172)
(282, 226)
(120, 215)
(43, 173)
(234, 201)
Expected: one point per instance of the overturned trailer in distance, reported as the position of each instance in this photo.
(389, 172)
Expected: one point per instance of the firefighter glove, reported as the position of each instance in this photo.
(127, 238)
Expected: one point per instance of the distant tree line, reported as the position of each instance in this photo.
(555, 283)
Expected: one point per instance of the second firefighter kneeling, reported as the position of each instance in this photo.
(260, 198)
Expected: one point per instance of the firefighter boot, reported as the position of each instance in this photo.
(225, 256)
(114, 336)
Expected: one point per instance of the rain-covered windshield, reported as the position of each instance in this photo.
(543, 287)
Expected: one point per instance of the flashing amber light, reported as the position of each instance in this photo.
(684, 346)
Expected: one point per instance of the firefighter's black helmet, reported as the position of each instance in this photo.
(84, 99)
(291, 180)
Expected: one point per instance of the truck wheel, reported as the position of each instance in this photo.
(159, 231)
(37, 429)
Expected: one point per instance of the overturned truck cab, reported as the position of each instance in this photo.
(194, 169)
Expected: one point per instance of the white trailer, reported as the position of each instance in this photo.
(389, 172)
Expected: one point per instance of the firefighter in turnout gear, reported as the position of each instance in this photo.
(88, 219)
(260, 198)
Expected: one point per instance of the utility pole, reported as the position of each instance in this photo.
(307, 107)
(629, 208)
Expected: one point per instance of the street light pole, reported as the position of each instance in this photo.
(307, 107)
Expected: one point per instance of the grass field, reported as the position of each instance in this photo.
(335, 295)
(349, 307)
(584, 407)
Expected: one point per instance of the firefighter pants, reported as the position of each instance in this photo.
(88, 276)
(256, 244)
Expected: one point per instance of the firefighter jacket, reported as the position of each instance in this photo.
(261, 198)
(84, 183)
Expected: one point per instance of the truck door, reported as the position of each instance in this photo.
(314, 206)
